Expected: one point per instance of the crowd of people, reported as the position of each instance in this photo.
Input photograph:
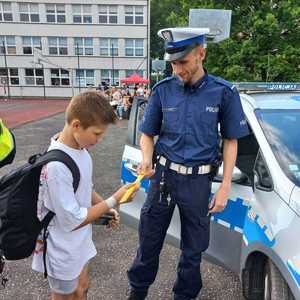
(121, 98)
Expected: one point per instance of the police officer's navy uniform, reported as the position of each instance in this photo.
(186, 120)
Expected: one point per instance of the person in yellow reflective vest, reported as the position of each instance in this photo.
(7, 145)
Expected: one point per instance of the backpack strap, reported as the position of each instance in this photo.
(39, 160)
(61, 156)
(45, 222)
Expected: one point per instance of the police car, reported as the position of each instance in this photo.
(258, 234)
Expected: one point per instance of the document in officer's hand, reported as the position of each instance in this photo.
(132, 189)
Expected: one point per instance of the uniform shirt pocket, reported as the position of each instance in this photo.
(209, 122)
(170, 119)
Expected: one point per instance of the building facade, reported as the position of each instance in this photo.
(56, 48)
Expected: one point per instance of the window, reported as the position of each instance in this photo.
(60, 77)
(109, 47)
(247, 152)
(34, 77)
(108, 14)
(55, 13)
(30, 42)
(58, 46)
(9, 44)
(83, 46)
(109, 77)
(128, 73)
(29, 12)
(82, 14)
(134, 14)
(5, 12)
(136, 137)
(263, 180)
(13, 75)
(134, 47)
(281, 129)
(85, 77)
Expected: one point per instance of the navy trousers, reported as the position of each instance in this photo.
(190, 193)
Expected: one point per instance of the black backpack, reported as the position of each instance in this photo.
(19, 190)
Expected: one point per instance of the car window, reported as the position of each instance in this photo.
(282, 131)
(142, 104)
(264, 180)
(140, 115)
(247, 152)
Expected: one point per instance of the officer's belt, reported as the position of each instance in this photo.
(181, 169)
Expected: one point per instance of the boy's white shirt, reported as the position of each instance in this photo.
(67, 250)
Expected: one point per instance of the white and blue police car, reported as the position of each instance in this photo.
(258, 234)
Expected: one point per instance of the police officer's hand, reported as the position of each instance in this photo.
(146, 168)
(220, 199)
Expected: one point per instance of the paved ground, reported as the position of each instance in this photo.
(18, 112)
(116, 249)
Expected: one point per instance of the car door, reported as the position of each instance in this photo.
(227, 226)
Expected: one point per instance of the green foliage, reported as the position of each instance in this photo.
(264, 44)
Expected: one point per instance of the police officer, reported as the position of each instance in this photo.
(184, 112)
(7, 145)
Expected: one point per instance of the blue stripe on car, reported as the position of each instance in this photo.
(127, 177)
(254, 232)
(234, 215)
(294, 272)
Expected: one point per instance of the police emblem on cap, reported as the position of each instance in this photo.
(180, 41)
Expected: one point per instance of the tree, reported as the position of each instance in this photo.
(264, 44)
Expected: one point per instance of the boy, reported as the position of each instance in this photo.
(69, 243)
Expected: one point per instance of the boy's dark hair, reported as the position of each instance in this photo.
(91, 108)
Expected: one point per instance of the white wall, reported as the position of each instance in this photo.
(70, 30)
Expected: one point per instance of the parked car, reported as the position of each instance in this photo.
(258, 234)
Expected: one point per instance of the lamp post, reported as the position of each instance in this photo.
(6, 68)
(43, 70)
(268, 63)
(78, 67)
(148, 39)
(112, 63)
(44, 84)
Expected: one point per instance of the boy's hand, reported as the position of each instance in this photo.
(130, 193)
(115, 222)
(123, 189)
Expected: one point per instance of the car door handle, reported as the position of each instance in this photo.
(132, 168)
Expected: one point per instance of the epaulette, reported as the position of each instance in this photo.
(167, 79)
(223, 82)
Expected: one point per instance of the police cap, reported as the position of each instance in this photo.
(181, 40)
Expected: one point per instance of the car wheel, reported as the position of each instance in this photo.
(275, 287)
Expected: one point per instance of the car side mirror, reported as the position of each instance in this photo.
(237, 175)
(255, 181)
(264, 184)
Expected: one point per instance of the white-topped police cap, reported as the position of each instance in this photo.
(180, 41)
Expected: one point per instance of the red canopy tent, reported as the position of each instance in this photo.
(134, 78)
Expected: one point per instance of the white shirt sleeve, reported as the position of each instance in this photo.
(62, 200)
